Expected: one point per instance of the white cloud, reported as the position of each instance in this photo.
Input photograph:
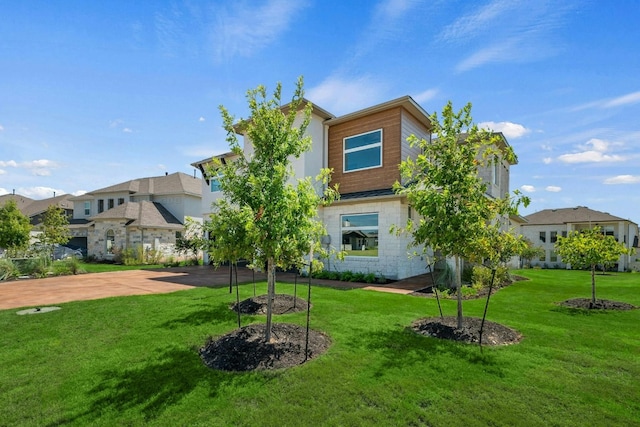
(10, 163)
(528, 188)
(79, 192)
(3, 191)
(547, 160)
(594, 151)
(2, 171)
(340, 96)
(40, 167)
(201, 119)
(628, 99)
(1, 128)
(510, 130)
(425, 96)
(623, 179)
(243, 28)
(496, 53)
(40, 192)
(553, 188)
(115, 123)
(475, 22)
(127, 130)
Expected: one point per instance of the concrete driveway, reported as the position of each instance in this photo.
(60, 289)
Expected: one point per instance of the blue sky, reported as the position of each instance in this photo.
(96, 93)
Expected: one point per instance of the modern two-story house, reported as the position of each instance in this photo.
(544, 227)
(147, 212)
(364, 149)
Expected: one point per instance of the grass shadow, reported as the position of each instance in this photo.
(150, 387)
(399, 348)
(208, 314)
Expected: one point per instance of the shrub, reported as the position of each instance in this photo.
(8, 269)
(482, 276)
(36, 267)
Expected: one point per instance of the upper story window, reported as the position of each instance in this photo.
(363, 151)
(110, 203)
(496, 172)
(553, 237)
(543, 236)
(87, 208)
(100, 205)
(214, 183)
(121, 201)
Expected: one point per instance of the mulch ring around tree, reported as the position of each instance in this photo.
(246, 349)
(281, 304)
(600, 304)
(446, 328)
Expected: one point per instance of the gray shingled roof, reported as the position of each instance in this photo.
(175, 183)
(570, 215)
(141, 214)
(31, 208)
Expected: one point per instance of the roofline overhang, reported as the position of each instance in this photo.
(405, 101)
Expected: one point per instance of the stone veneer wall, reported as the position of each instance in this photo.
(162, 240)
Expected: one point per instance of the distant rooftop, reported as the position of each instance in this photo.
(570, 215)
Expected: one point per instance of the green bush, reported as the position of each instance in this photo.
(36, 267)
(481, 276)
(8, 269)
(66, 266)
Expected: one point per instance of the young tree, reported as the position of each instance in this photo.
(588, 249)
(55, 228)
(442, 184)
(497, 246)
(192, 241)
(530, 251)
(280, 219)
(15, 228)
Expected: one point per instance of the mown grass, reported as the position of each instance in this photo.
(96, 267)
(133, 361)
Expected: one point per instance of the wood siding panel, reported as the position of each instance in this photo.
(371, 179)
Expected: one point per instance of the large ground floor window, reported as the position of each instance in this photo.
(360, 234)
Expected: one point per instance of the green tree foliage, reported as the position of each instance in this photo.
(265, 216)
(192, 241)
(588, 249)
(444, 187)
(55, 227)
(530, 251)
(14, 228)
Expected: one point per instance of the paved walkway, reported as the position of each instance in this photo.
(60, 289)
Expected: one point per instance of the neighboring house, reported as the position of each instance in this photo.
(544, 227)
(147, 212)
(35, 209)
(364, 149)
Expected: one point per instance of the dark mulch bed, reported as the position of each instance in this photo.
(446, 328)
(282, 304)
(245, 349)
(600, 304)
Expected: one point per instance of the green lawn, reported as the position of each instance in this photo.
(133, 361)
(97, 267)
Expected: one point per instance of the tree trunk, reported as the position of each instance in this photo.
(486, 305)
(593, 285)
(271, 287)
(458, 279)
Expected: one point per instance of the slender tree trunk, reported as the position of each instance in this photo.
(271, 286)
(235, 266)
(486, 305)
(593, 285)
(458, 279)
(435, 289)
(295, 288)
